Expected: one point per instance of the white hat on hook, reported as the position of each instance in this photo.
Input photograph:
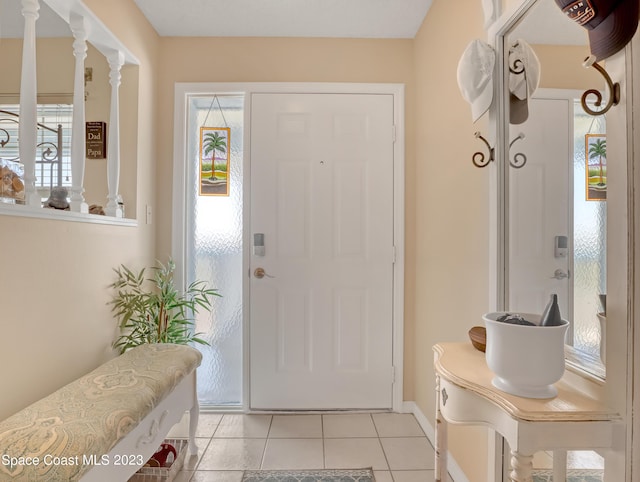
(475, 76)
(524, 78)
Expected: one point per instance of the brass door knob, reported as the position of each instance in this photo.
(261, 273)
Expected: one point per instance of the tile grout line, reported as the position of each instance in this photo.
(209, 440)
(375, 427)
(266, 441)
(373, 421)
(324, 452)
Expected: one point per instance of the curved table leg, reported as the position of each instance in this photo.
(521, 467)
(441, 448)
(560, 465)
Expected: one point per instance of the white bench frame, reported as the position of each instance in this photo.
(143, 441)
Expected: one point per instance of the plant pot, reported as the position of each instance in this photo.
(527, 360)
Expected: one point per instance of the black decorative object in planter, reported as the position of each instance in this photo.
(514, 319)
(551, 314)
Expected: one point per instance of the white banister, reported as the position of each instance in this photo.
(78, 138)
(116, 61)
(27, 129)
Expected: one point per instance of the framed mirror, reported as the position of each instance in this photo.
(553, 178)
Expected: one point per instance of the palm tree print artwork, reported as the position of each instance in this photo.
(596, 167)
(214, 161)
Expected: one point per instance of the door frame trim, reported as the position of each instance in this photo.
(184, 89)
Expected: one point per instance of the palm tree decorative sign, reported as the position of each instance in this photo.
(596, 167)
(214, 161)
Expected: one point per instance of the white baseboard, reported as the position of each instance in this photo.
(455, 472)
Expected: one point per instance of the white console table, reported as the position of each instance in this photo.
(570, 421)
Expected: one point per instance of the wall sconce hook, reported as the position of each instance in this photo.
(519, 159)
(479, 159)
(614, 90)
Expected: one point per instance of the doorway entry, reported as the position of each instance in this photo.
(322, 233)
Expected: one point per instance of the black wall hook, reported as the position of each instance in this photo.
(516, 65)
(519, 159)
(614, 90)
(4, 142)
(479, 158)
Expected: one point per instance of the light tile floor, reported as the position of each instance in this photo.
(393, 444)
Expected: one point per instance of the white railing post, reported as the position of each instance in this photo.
(78, 138)
(28, 127)
(116, 61)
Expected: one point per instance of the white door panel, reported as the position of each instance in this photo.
(322, 194)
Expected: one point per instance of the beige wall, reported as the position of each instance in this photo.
(561, 67)
(54, 277)
(452, 211)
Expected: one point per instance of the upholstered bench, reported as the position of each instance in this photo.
(105, 425)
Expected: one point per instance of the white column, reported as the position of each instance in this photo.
(116, 61)
(78, 137)
(29, 102)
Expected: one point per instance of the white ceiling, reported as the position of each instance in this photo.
(545, 23)
(286, 18)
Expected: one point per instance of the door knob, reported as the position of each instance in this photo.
(261, 273)
(560, 274)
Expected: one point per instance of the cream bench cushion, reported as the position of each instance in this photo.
(85, 419)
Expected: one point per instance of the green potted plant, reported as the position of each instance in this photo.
(152, 310)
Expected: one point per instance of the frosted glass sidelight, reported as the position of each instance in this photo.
(589, 242)
(214, 250)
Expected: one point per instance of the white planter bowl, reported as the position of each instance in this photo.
(527, 360)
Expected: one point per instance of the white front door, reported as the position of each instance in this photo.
(539, 206)
(322, 202)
